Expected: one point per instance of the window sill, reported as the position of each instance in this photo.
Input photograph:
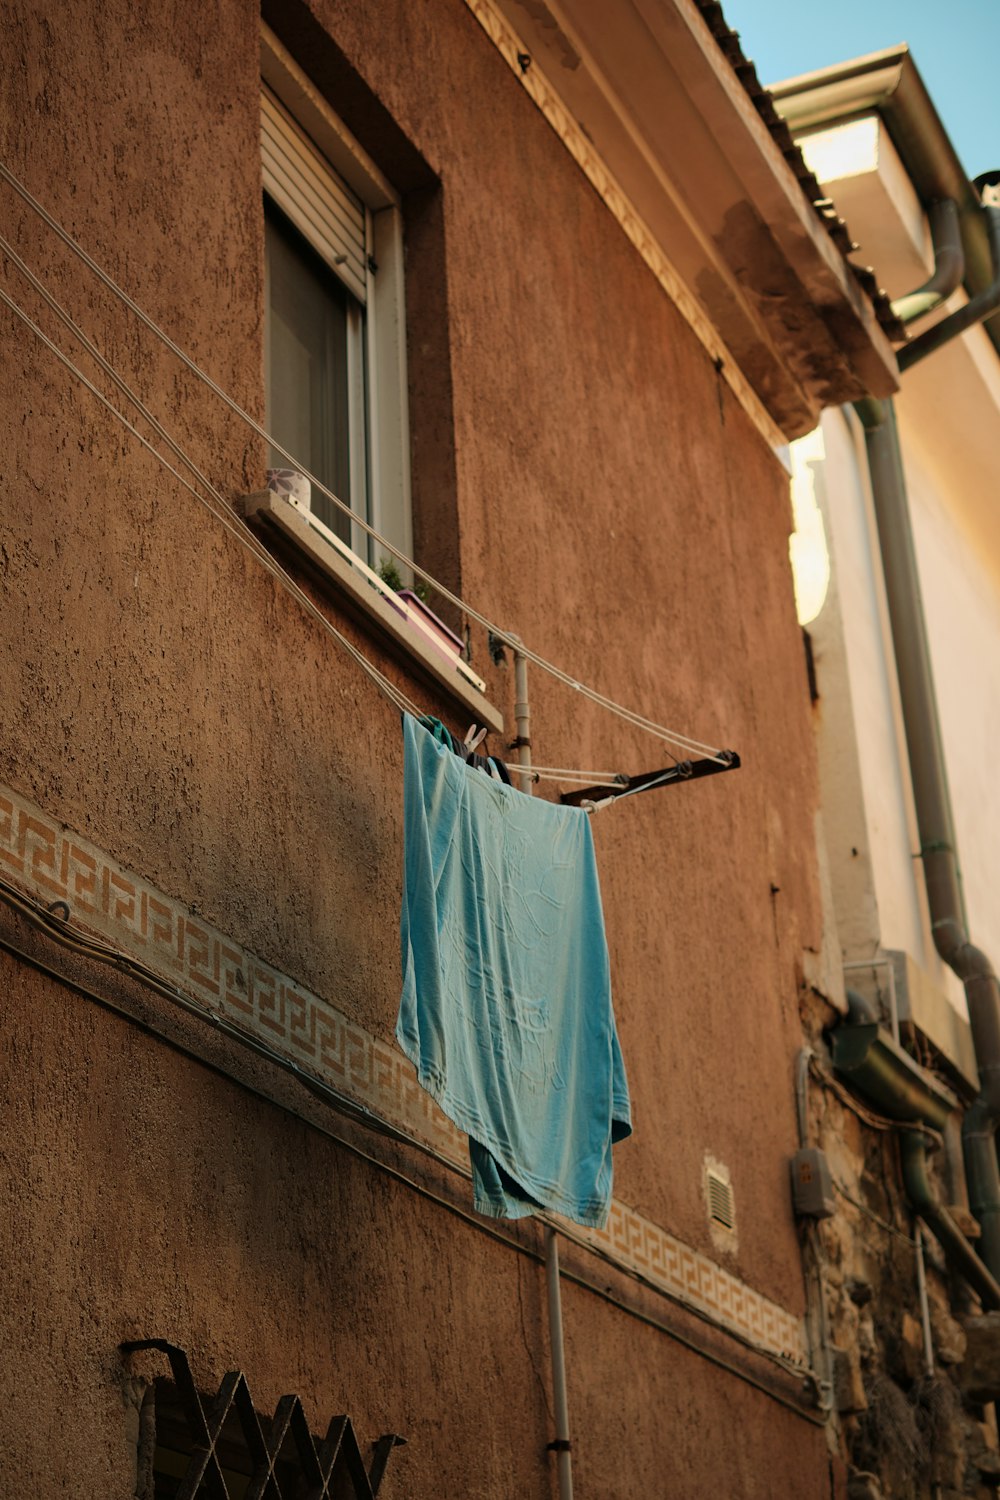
(278, 518)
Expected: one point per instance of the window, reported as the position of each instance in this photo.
(335, 369)
(314, 364)
(335, 350)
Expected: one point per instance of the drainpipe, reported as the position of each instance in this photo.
(817, 1323)
(561, 1444)
(949, 264)
(933, 807)
(925, 1307)
(982, 305)
(958, 1252)
(889, 1078)
(522, 715)
(890, 968)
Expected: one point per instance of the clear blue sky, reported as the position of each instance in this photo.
(955, 44)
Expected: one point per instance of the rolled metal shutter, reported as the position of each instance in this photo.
(317, 200)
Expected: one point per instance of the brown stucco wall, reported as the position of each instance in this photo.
(155, 1198)
(584, 474)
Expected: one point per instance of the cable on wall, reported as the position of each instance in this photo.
(630, 716)
(59, 930)
(244, 537)
(484, 1226)
(242, 534)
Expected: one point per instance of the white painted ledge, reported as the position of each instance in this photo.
(274, 516)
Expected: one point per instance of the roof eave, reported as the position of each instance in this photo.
(889, 84)
(651, 88)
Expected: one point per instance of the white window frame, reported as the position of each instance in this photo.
(379, 438)
(380, 423)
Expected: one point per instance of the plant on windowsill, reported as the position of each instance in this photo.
(415, 599)
(390, 574)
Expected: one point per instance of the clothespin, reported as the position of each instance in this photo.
(473, 739)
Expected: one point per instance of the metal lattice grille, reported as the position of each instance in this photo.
(277, 1460)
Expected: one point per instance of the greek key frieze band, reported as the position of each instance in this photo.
(53, 863)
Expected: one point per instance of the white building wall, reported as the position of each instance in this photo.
(961, 588)
(888, 800)
(868, 811)
(948, 411)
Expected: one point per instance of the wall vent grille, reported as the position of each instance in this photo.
(721, 1203)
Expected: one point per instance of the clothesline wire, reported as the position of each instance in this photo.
(569, 773)
(242, 535)
(617, 792)
(647, 786)
(639, 721)
(564, 780)
(219, 508)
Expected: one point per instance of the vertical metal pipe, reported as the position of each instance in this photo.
(976, 311)
(561, 1445)
(522, 717)
(890, 968)
(820, 1353)
(818, 1325)
(802, 1094)
(925, 1311)
(949, 263)
(932, 799)
(893, 1003)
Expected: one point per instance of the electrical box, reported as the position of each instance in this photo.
(812, 1185)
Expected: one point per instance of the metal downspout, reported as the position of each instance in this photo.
(817, 1320)
(949, 264)
(958, 1252)
(934, 815)
(973, 312)
(925, 1307)
(889, 1079)
(561, 1445)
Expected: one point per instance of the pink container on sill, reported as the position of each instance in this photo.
(436, 630)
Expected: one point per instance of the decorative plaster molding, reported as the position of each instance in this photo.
(53, 863)
(542, 93)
